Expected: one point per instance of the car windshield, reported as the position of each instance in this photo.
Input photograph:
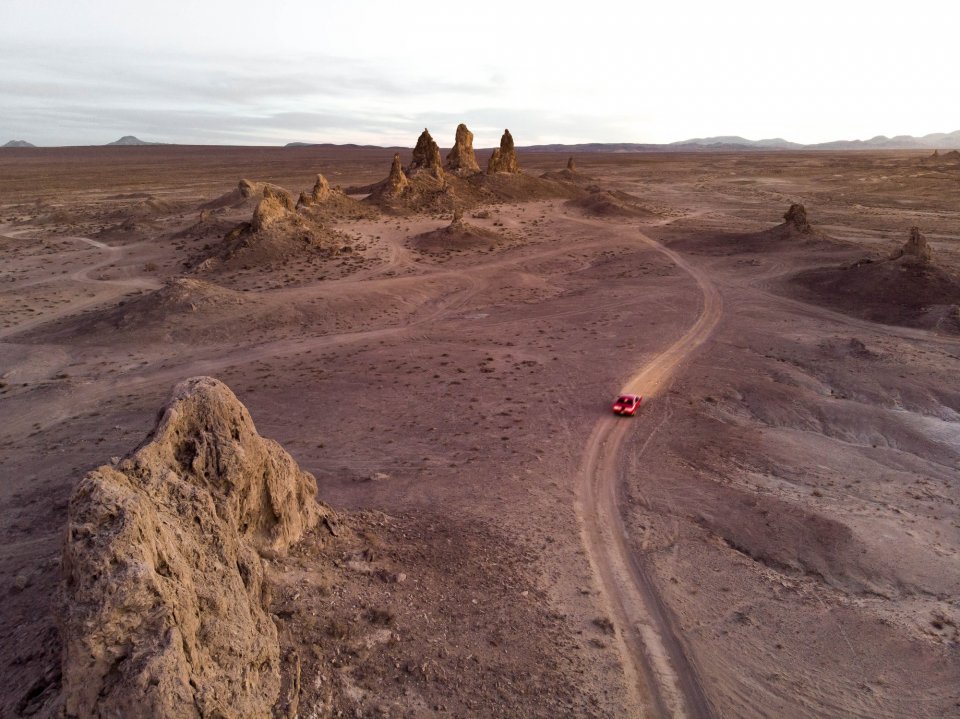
(625, 400)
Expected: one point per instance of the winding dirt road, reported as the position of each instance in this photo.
(661, 679)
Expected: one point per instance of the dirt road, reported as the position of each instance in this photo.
(661, 678)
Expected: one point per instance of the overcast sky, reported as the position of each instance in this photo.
(238, 72)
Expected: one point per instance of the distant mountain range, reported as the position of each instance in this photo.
(933, 141)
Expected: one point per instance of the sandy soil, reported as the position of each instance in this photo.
(776, 534)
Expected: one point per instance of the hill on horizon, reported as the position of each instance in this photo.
(19, 143)
(128, 140)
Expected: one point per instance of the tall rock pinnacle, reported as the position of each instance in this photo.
(504, 159)
(461, 160)
(426, 155)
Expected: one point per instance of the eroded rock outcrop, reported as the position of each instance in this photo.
(321, 192)
(276, 205)
(571, 165)
(504, 158)
(163, 609)
(397, 180)
(916, 248)
(796, 218)
(461, 160)
(426, 156)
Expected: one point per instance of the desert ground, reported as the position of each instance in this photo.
(775, 534)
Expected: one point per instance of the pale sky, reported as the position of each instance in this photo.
(377, 72)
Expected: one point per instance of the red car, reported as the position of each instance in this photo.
(627, 404)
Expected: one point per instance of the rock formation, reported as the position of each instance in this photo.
(275, 205)
(796, 218)
(321, 192)
(164, 604)
(504, 159)
(571, 165)
(916, 249)
(461, 160)
(248, 188)
(397, 180)
(426, 156)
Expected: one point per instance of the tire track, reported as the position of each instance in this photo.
(661, 679)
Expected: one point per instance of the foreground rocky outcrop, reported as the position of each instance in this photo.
(163, 609)
(461, 159)
(275, 206)
(504, 158)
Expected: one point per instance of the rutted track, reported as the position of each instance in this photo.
(661, 679)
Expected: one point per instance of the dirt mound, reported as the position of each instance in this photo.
(330, 203)
(610, 203)
(275, 234)
(903, 289)
(916, 249)
(795, 232)
(461, 159)
(163, 609)
(942, 157)
(246, 193)
(458, 235)
(570, 174)
(504, 158)
(184, 310)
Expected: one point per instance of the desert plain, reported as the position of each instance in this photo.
(775, 534)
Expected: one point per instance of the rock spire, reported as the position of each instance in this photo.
(426, 155)
(461, 159)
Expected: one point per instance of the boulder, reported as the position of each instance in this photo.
(461, 160)
(571, 165)
(163, 607)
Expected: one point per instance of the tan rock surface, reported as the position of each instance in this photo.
(275, 206)
(461, 159)
(320, 193)
(163, 608)
(426, 155)
(397, 180)
(504, 159)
